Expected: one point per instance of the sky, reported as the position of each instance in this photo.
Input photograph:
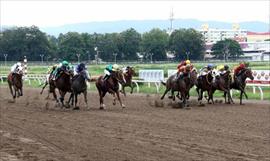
(56, 13)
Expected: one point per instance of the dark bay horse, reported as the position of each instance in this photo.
(181, 85)
(63, 84)
(78, 86)
(15, 83)
(222, 83)
(128, 77)
(110, 85)
(239, 83)
(204, 83)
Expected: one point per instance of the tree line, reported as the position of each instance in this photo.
(128, 45)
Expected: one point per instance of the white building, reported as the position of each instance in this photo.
(214, 35)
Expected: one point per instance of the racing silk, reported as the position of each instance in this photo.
(239, 68)
(16, 68)
(183, 63)
(204, 71)
(108, 69)
(183, 69)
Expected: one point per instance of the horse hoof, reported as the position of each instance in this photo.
(114, 103)
(76, 108)
(101, 108)
(123, 106)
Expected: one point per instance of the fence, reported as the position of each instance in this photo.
(261, 79)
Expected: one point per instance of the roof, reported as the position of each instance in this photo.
(258, 33)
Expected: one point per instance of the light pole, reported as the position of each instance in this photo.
(41, 55)
(114, 54)
(5, 55)
(151, 56)
(188, 53)
(96, 56)
(48, 57)
(78, 56)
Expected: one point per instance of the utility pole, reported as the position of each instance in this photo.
(5, 55)
(78, 56)
(114, 54)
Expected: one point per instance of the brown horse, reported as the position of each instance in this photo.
(222, 83)
(63, 84)
(181, 85)
(128, 77)
(239, 83)
(204, 83)
(15, 82)
(110, 85)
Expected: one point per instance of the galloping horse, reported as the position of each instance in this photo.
(204, 83)
(128, 77)
(181, 85)
(63, 84)
(110, 85)
(78, 86)
(239, 82)
(15, 82)
(222, 83)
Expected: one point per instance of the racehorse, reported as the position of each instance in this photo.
(15, 82)
(222, 83)
(128, 77)
(110, 85)
(181, 85)
(239, 83)
(204, 83)
(47, 81)
(78, 86)
(63, 84)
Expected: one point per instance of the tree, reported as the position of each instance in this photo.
(227, 48)
(71, 44)
(156, 42)
(24, 41)
(128, 44)
(185, 41)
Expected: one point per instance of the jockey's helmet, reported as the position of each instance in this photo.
(226, 67)
(210, 66)
(187, 61)
(115, 67)
(64, 62)
(19, 63)
(82, 66)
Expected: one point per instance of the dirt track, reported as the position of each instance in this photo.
(33, 129)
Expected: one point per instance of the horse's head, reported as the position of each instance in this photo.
(130, 71)
(248, 73)
(119, 76)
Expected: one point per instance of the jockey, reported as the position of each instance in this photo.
(183, 68)
(16, 67)
(125, 69)
(63, 66)
(221, 69)
(240, 67)
(79, 68)
(206, 69)
(109, 69)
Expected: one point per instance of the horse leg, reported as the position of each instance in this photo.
(131, 86)
(114, 99)
(123, 90)
(46, 83)
(241, 96)
(225, 96)
(76, 100)
(119, 99)
(166, 91)
(71, 98)
(85, 98)
(11, 91)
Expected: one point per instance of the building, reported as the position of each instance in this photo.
(257, 37)
(214, 35)
(252, 51)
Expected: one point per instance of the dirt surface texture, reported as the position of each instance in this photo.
(34, 129)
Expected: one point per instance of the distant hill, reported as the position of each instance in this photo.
(146, 25)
